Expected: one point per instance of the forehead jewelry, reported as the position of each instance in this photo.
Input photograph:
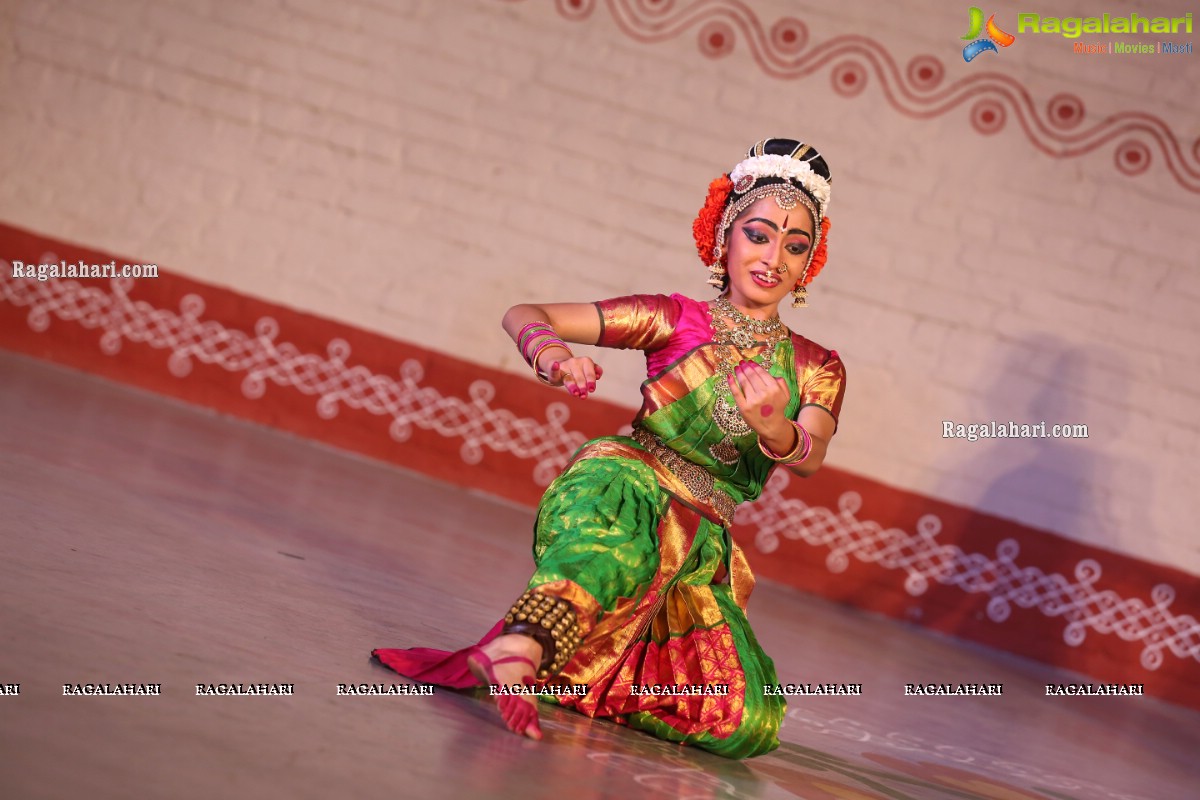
(786, 197)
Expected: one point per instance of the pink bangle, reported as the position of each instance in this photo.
(533, 362)
(533, 339)
(534, 324)
(807, 444)
(530, 332)
(536, 341)
(799, 452)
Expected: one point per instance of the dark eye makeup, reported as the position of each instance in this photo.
(758, 237)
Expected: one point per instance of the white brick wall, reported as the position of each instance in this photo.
(416, 167)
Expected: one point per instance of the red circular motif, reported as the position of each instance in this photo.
(849, 78)
(1132, 157)
(575, 9)
(716, 40)
(789, 35)
(1065, 111)
(743, 184)
(988, 116)
(925, 73)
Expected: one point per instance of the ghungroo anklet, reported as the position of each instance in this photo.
(549, 620)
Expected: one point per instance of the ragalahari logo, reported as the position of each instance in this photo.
(995, 36)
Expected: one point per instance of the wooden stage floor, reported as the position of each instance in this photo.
(149, 542)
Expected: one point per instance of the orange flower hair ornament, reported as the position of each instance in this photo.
(704, 228)
(820, 252)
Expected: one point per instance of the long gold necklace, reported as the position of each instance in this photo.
(731, 340)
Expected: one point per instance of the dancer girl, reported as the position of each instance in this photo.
(637, 581)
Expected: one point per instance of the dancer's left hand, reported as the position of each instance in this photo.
(762, 399)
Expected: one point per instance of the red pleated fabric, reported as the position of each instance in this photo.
(442, 667)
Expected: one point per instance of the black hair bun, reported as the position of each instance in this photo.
(778, 146)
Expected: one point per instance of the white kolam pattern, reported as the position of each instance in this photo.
(329, 377)
(1006, 582)
(335, 382)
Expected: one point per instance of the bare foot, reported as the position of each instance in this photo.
(508, 660)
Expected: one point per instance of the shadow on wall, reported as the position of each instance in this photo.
(1061, 484)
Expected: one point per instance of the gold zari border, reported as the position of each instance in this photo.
(696, 478)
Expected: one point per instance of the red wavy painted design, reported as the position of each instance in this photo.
(781, 50)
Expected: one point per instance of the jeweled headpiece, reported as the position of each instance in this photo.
(791, 172)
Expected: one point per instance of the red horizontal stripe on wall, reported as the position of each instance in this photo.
(839, 535)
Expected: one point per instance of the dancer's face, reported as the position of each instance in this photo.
(768, 248)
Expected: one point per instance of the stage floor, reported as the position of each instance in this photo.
(149, 542)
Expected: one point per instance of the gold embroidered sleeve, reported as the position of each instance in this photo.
(825, 385)
(640, 321)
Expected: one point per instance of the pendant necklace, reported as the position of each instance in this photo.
(731, 341)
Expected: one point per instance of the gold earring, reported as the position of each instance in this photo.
(799, 298)
(717, 275)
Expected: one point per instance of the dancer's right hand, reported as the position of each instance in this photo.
(578, 375)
